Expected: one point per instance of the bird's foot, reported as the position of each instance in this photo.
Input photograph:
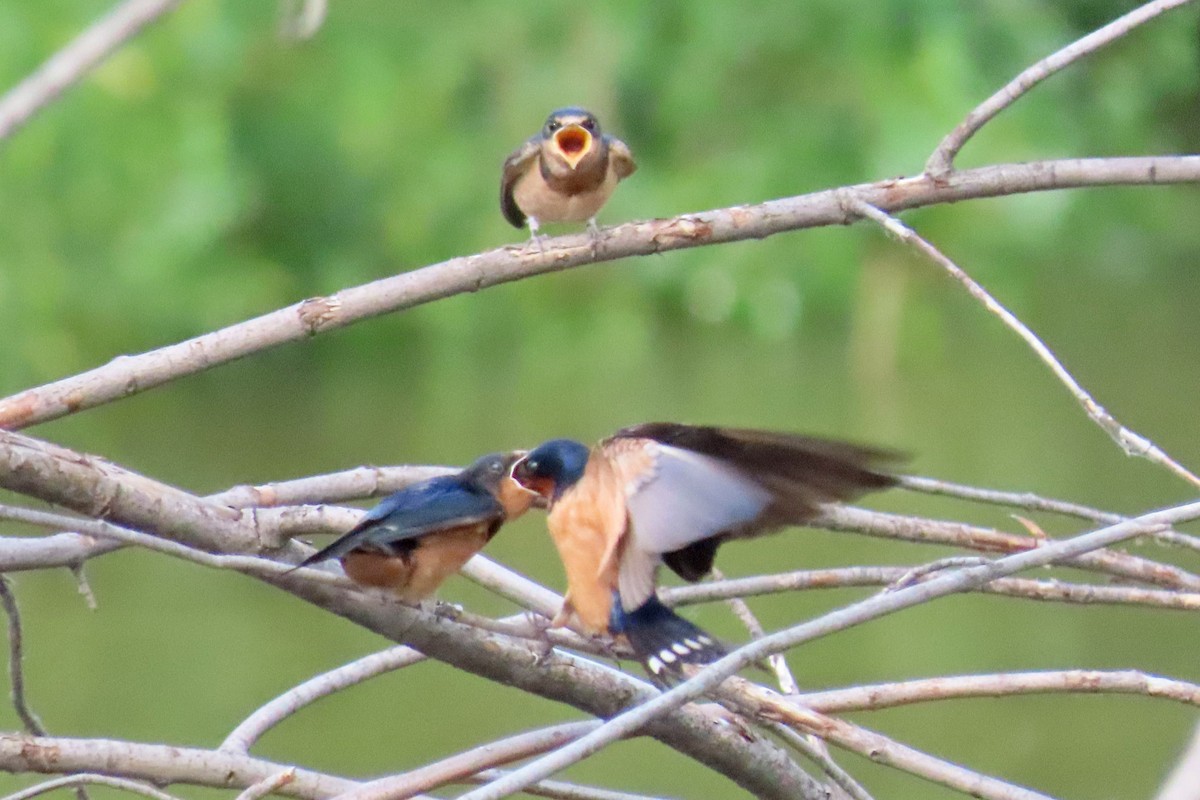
(537, 240)
(594, 235)
(443, 610)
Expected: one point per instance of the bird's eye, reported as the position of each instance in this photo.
(553, 125)
(589, 124)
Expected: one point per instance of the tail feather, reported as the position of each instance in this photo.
(662, 640)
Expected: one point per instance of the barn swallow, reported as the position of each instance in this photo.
(417, 537)
(564, 173)
(666, 493)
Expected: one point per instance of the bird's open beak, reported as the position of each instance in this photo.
(539, 488)
(574, 142)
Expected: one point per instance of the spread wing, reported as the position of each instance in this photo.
(710, 484)
(678, 499)
(412, 512)
(800, 472)
(518, 162)
(622, 158)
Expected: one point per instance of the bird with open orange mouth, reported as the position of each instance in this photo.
(564, 173)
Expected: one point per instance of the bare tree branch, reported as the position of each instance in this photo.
(16, 656)
(129, 375)
(916, 529)
(1075, 681)
(79, 779)
(159, 764)
(268, 785)
(783, 675)
(757, 701)
(558, 790)
(336, 487)
(268, 716)
(942, 161)
(1133, 443)
(815, 749)
(457, 767)
(1034, 502)
(75, 60)
(843, 577)
(880, 605)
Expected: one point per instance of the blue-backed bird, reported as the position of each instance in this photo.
(564, 173)
(417, 537)
(667, 493)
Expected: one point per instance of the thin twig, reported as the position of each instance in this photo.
(1132, 443)
(990, 540)
(873, 608)
(272, 713)
(160, 764)
(268, 785)
(941, 162)
(1033, 502)
(559, 790)
(461, 765)
(849, 577)
(250, 565)
(334, 487)
(16, 672)
(887, 695)
(815, 749)
(77, 780)
(129, 375)
(757, 701)
(75, 60)
(783, 675)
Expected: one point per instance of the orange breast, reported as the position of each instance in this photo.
(583, 523)
(438, 556)
(418, 575)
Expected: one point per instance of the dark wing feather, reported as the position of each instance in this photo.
(620, 156)
(807, 469)
(412, 512)
(516, 165)
(797, 473)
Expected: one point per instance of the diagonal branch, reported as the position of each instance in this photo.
(1134, 444)
(459, 766)
(75, 60)
(941, 162)
(129, 375)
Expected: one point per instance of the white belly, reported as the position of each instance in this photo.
(539, 201)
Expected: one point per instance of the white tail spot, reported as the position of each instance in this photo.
(682, 649)
(693, 644)
(667, 656)
(654, 665)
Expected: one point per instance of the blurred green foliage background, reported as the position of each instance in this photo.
(211, 171)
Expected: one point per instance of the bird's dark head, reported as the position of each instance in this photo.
(551, 468)
(572, 133)
(488, 471)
